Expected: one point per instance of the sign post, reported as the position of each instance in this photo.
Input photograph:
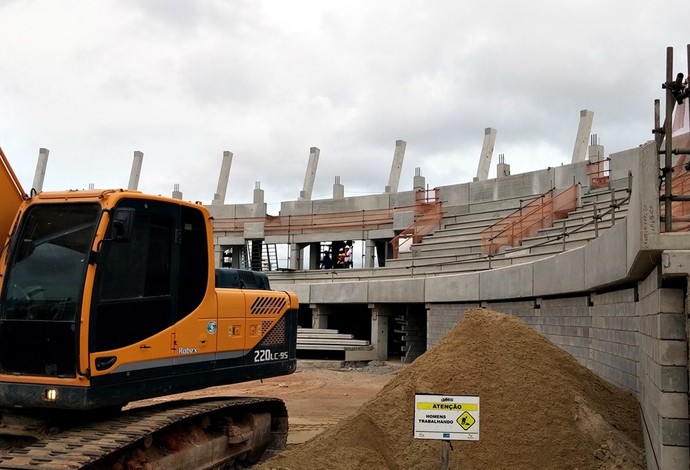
(446, 417)
(445, 454)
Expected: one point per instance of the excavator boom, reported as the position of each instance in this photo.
(11, 197)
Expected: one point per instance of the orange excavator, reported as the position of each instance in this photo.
(109, 297)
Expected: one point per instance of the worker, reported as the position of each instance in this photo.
(340, 261)
(326, 261)
(347, 258)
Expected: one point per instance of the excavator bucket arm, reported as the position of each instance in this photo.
(11, 196)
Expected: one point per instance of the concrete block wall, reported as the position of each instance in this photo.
(567, 322)
(414, 335)
(662, 376)
(524, 310)
(442, 317)
(614, 350)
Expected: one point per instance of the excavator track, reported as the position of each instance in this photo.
(185, 434)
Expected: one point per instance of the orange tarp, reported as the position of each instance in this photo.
(525, 222)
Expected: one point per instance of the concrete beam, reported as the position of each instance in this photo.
(396, 167)
(221, 190)
(41, 166)
(136, 170)
(310, 175)
(487, 153)
(582, 138)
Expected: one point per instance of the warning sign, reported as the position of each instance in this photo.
(466, 421)
(447, 417)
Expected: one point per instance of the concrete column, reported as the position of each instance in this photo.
(338, 189)
(418, 182)
(219, 196)
(136, 170)
(41, 166)
(305, 194)
(369, 252)
(502, 169)
(237, 256)
(217, 255)
(595, 151)
(314, 255)
(583, 132)
(177, 194)
(319, 319)
(295, 261)
(487, 153)
(258, 193)
(379, 331)
(383, 252)
(396, 167)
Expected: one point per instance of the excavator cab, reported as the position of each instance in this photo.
(107, 297)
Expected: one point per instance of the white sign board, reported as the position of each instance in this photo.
(447, 417)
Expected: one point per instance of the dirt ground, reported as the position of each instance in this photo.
(317, 395)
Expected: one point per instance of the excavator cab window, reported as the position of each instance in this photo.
(43, 289)
(155, 277)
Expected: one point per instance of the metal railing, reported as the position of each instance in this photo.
(527, 220)
(427, 218)
(370, 219)
(295, 224)
(598, 174)
(680, 208)
(598, 215)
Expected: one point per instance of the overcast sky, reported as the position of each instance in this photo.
(184, 80)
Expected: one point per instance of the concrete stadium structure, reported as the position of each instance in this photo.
(612, 295)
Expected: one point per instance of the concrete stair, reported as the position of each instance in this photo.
(459, 243)
(314, 339)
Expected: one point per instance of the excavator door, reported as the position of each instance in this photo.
(11, 196)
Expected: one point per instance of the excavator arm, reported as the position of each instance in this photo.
(11, 196)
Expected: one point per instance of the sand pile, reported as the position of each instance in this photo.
(540, 409)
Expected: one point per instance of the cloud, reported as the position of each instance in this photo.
(183, 81)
